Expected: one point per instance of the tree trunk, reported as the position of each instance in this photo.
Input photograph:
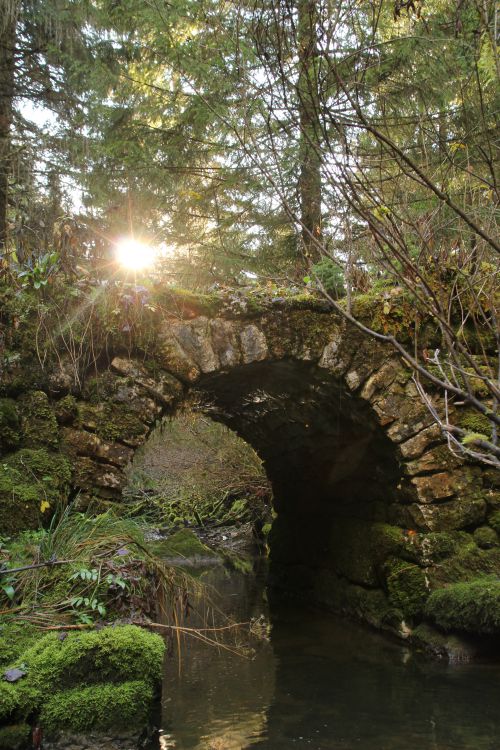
(8, 19)
(309, 150)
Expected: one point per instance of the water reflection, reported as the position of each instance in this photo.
(324, 684)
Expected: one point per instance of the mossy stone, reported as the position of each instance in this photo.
(104, 706)
(39, 424)
(32, 482)
(469, 562)
(474, 421)
(184, 544)
(111, 421)
(473, 607)
(486, 537)
(369, 605)
(15, 736)
(494, 521)
(406, 586)
(112, 655)
(66, 409)
(10, 428)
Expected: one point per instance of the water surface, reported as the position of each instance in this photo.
(322, 683)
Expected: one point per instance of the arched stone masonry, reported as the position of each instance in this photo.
(374, 512)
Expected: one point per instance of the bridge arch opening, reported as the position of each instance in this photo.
(335, 479)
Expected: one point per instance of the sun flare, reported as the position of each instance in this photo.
(135, 255)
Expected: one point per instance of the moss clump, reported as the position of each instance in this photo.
(38, 421)
(66, 410)
(486, 537)
(31, 483)
(105, 706)
(472, 420)
(112, 655)
(184, 543)
(473, 607)
(187, 303)
(406, 586)
(468, 563)
(10, 429)
(14, 737)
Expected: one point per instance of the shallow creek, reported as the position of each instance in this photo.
(321, 683)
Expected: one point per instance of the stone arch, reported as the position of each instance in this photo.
(369, 499)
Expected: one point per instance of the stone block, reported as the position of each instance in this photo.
(415, 446)
(195, 340)
(83, 443)
(253, 344)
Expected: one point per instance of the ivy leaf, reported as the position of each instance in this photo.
(9, 591)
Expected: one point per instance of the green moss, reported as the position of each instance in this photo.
(188, 303)
(113, 655)
(473, 607)
(14, 639)
(485, 537)
(111, 421)
(494, 521)
(29, 478)
(473, 421)
(406, 586)
(15, 737)
(10, 428)
(39, 423)
(368, 605)
(66, 409)
(184, 543)
(467, 563)
(106, 706)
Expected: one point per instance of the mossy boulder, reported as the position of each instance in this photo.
(89, 661)
(184, 544)
(104, 707)
(472, 607)
(406, 586)
(10, 426)
(32, 482)
(486, 537)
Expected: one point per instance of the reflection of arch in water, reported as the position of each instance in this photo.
(219, 699)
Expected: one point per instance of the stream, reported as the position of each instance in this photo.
(320, 683)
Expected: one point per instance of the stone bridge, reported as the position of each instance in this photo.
(374, 512)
